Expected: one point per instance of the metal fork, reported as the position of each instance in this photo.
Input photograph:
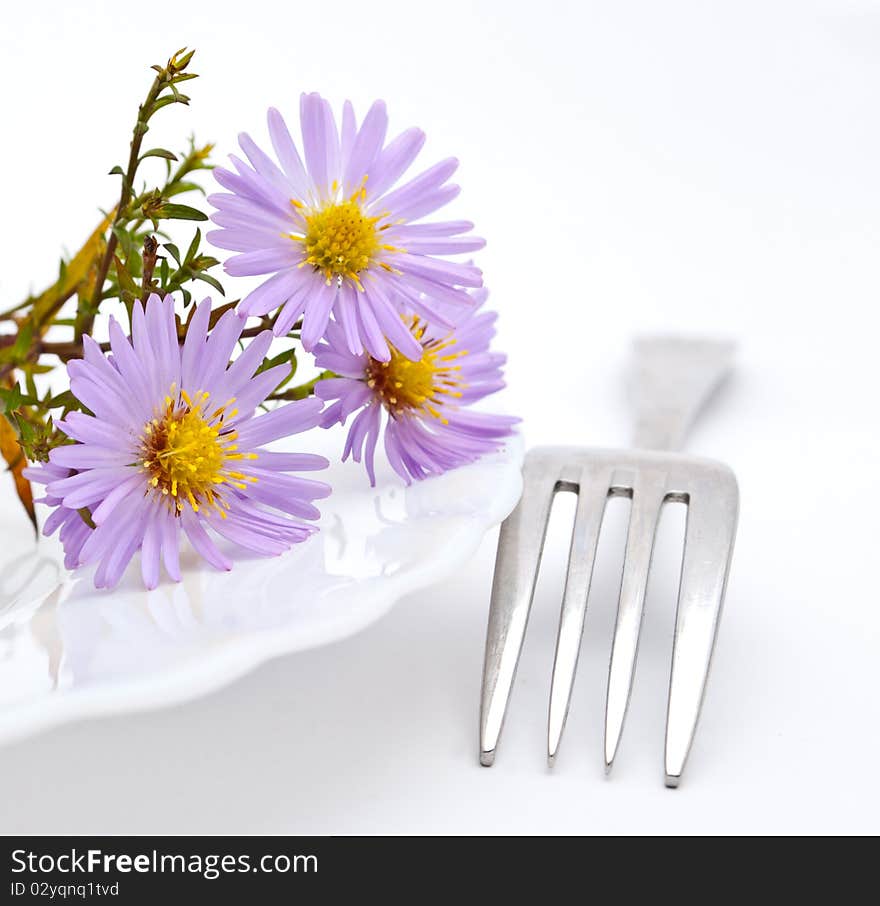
(674, 377)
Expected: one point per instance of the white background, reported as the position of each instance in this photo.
(704, 167)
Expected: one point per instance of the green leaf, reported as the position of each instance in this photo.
(179, 188)
(10, 398)
(158, 152)
(211, 281)
(292, 372)
(23, 341)
(203, 262)
(193, 246)
(173, 250)
(303, 390)
(25, 429)
(118, 171)
(280, 359)
(182, 212)
(63, 400)
(126, 281)
(163, 101)
(134, 263)
(126, 243)
(120, 232)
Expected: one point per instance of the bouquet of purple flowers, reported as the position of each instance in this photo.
(164, 426)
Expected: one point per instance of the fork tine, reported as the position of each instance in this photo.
(516, 570)
(647, 500)
(709, 537)
(592, 496)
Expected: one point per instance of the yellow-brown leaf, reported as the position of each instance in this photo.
(79, 273)
(15, 460)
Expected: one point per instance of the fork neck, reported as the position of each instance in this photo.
(673, 378)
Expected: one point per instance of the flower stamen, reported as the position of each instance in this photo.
(187, 452)
(340, 240)
(404, 386)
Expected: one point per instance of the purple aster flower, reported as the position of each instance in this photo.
(72, 529)
(422, 402)
(337, 236)
(174, 446)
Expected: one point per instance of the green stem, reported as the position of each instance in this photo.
(86, 318)
(86, 314)
(301, 391)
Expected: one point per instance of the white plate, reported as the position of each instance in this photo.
(68, 651)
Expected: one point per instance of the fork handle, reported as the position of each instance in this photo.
(673, 377)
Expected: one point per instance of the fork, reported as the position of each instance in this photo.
(673, 379)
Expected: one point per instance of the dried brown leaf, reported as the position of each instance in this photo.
(16, 463)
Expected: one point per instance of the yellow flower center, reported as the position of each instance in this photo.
(404, 386)
(340, 240)
(188, 454)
